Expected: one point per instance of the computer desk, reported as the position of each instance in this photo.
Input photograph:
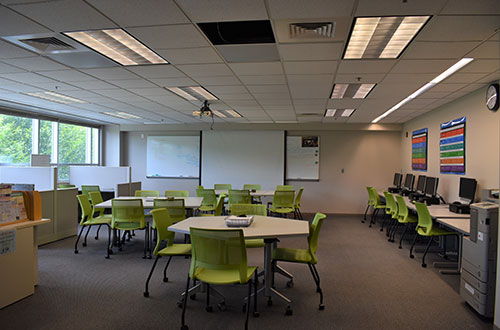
(461, 226)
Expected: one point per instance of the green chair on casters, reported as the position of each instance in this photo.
(209, 202)
(88, 188)
(219, 257)
(426, 227)
(95, 199)
(377, 206)
(296, 206)
(176, 193)
(369, 203)
(404, 217)
(238, 197)
(255, 187)
(127, 215)
(64, 185)
(391, 209)
(162, 221)
(305, 256)
(175, 207)
(250, 209)
(222, 186)
(283, 202)
(89, 220)
(284, 187)
(218, 208)
(147, 193)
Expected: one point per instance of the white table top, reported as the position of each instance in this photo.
(459, 224)
(438, 211)
(262, 193)
(147, 202)
(262, 227)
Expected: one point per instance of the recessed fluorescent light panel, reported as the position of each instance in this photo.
(193, 93)
(219, 114)
(382, 37)
(117, 45)
(234, 114)
(339, 113)
(448, 72)
(353, 91)
(122, 115)
(54, 97)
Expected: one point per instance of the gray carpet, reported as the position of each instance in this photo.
(368, 284)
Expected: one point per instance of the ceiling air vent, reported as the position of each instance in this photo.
(323, 30)
(48, 44)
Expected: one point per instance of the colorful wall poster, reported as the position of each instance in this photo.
(419, 150)
(452, 146)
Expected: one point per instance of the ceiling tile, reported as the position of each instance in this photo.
(316, 67)
(263, 80)
(459, 28)
(156, 71)
(365, 66)
(422, 66)
(436, 50)
(140, 13)
(310, 86)
(271, 96)
(65, 15)
(413, 78)
(172, 82)
(17, 87)
(149, 91)
(218, 81)
(359, 78)
(488, 49)
(229, 97)
(190, 55)
(398, 7)
(205, 70)
(268, 88)
(93, 84)
(13, 24)
(311, 52)
(133, 83)
(344, 103)
(8, 50)
(284, 9)
(110, 73)
(490, 78)
(37, 64)
(257, 68)
(170, 36)
(229, 89)
(217, 10)
(68, 75)
(484, 7)
(55, 86)
(5, 68)
(27, 77)
(464, 78)
(240, 53)
(486, 66)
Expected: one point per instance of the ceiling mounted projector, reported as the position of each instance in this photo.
(204, 111)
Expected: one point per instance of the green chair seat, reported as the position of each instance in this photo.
(410, 219)
(100, 220)
(175, 249)
(293, 255)
(254, 243)
(223, 276)
(435, 231)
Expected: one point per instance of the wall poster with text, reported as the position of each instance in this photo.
(452, 146)
(419, 150)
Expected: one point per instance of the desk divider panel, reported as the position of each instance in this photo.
(106, 177)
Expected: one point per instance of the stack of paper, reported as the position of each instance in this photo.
(239, 221)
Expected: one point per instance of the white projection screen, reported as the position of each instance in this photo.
(239, 157)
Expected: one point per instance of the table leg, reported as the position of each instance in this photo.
(268, 274)
(459, 261)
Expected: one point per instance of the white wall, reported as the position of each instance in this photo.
(481, 145)
(111, 145)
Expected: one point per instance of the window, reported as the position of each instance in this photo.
(15, 139)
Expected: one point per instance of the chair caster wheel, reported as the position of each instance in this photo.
(318, 290)
(209, 309)
(193, 296)
(289, 284)
(244, 308)
(222, 306)
(269, 302)
(146, 294)
(76, 251)
(180, 303)
(96, 238)
(362, 221)
(84, 244)
(256, 314)
(288, 311)
(424, 265)
(106, 257)
(184, 327)
(412, 256)
(321, 307)
(165, 279)
(144, 257)
(400, 247)
(381, 229)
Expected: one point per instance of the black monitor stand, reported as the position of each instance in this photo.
(457, 207)
(394, 190)
(429, 200)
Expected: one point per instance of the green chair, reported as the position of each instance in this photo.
(219, 257)
(238, 197)
(305, 256)
(298, 197)
(200, 187)
(218, 209)
(89, 220)
(127, 215)
(283, 202)
(284, 187)
(64, 185)
(377, 205)
(88, 188)
(250, 209)
(209, 202)
(175, 207)
(391, 209)
(176, 193)
(96, 198)
(162, 221)
(369, 203)
(404, 217)
(256, 187)
(426, 227)
(147, 193)
(222, 186)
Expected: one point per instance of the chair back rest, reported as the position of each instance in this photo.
(96, 198)
(248, 209)
(200, 187)
(284, 187)
(298, 197)
(175, 207)
(220, 206)
(83, 200)
(162, 221)
(176, 193)
(218, 249)
(370, 197)
(64, 185)
(424, 217)
(283, 198)
(312, 239)
(147, 193)
(239, 197)
(402, 208)
(208, 195)
(390, 204)
(87, 188)
(252, 187)
(222, 186)
(375, 197)
(127, 211)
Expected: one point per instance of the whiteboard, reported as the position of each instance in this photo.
(302, 159)
(173, 157)
(239, 157)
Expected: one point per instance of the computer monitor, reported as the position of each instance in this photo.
(431, 185)
(409, 180)
(467, 189)
(397, 180)
(421, 184)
